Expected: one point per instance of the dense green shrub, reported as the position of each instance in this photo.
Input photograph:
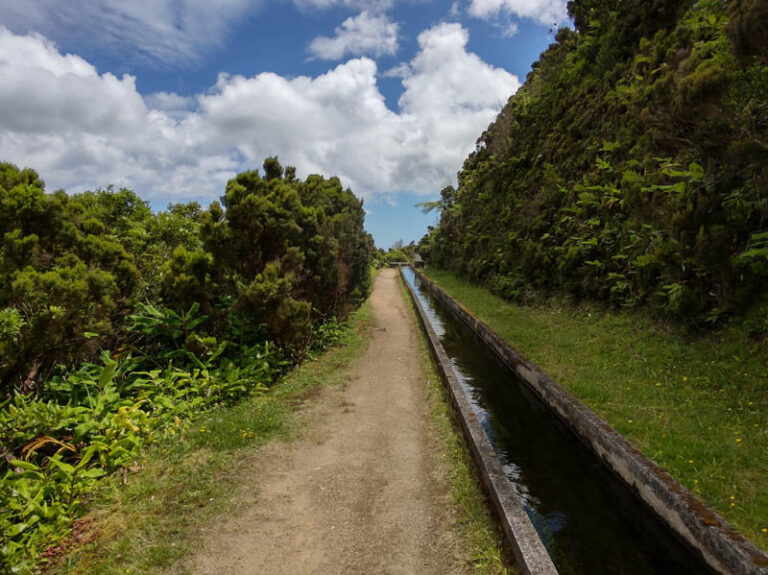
(289, 251)
(117, 325)
(65, 270)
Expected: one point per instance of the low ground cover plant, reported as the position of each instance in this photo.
(97, 420)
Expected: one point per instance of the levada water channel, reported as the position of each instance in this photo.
(589, 521)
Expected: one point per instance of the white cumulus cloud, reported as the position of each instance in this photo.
(176, 106)
(365, 34)
(446, 79)
(545, 12)
(370, 5)
(81, 129)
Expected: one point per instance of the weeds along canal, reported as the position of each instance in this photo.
(590, 521)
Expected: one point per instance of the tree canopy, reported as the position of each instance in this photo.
(275, 256)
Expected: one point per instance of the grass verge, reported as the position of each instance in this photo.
(697, 405)
(148, 524)
(478, 533)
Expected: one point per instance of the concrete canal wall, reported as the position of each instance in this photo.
(531, 557)
(719, 545)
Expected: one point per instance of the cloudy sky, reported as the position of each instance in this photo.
(171, 98)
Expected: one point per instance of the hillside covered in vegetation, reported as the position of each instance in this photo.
(632, 166)
(118, 325)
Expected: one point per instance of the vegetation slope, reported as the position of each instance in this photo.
(631, 170)
(632, 166)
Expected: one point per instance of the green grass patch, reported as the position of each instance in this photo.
(480, 537)
(697, 404)
(150, 522)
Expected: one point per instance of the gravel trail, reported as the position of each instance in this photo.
(362, 490)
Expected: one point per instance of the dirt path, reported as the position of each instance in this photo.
(361, 492)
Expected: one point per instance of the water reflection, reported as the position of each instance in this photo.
(588, 520)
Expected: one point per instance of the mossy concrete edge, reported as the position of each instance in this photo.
(530, 554)
(719, 544)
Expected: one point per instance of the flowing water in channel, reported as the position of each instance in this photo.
(589, 520)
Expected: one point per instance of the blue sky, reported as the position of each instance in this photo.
(172, 97)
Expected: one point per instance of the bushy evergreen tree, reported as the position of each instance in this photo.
(276, 256)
